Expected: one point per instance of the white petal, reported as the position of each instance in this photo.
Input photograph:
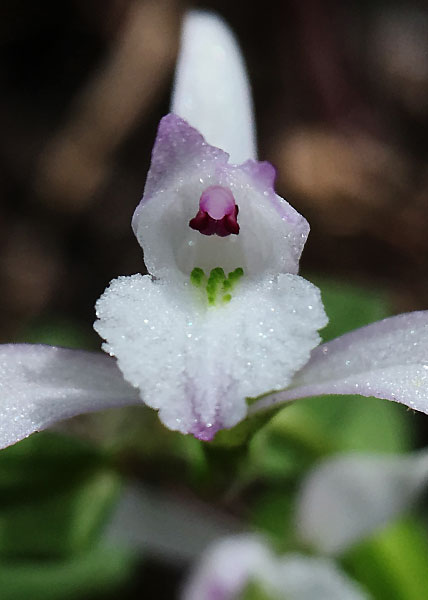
(227, 566)
(40, 385)
(197, 363)
(232, 563)
(211, 90)
(156, 522)
(348, 497)
(272, 234)
(388, 359)
(304, 578)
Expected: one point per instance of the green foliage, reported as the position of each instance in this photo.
(56, 494)
(393, 564)
(59, 331)
(350, 306)
(272, 512)
(91, 574)
(256, 591)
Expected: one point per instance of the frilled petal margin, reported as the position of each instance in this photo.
(197, 364)
(40, 385)
(232, 563)
(388, 359)
(349, 497)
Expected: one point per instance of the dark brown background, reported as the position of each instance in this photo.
(340, 94)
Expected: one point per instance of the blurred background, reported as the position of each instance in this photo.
(341, 102)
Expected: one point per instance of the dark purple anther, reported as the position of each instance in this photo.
(217, 212)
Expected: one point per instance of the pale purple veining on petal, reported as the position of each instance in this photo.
(40, 385)
(388, 359)
(204, 432)
(177, 146)
(215, 416)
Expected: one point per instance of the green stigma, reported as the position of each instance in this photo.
(218, 287)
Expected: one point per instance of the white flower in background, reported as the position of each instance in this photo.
(348, 497)
(222, 315)
(233, 564)
(342, 500)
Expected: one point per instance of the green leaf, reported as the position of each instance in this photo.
(59, 331)
(393, 564)
(332, 424)
(349, 306)
(256, 591)
(56, 494)
(273, 513)
(243, 431)
(100, 572)
(42, 460)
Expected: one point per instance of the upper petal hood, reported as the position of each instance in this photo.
(272, 234)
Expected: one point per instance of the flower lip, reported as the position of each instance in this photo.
(217, 213)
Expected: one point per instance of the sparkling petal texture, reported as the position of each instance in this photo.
(347, 498)
(40, 385)
(196, 363)
(272, 234)
(388, 359)
(211, 90)
(233, 562)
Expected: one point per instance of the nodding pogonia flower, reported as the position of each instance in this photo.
(233, 565)
(222, 315)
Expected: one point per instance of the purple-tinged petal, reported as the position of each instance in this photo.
(388, 359)
(348, 497)
(271, 233)
(230, 565)
(227, 567)
(178, 149)
(40, 385)
(211, 90)
(296, 227)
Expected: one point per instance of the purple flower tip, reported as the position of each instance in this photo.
(205, 433)
(217, 213)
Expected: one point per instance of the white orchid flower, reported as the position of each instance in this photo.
(222, 315)
(234, 563)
